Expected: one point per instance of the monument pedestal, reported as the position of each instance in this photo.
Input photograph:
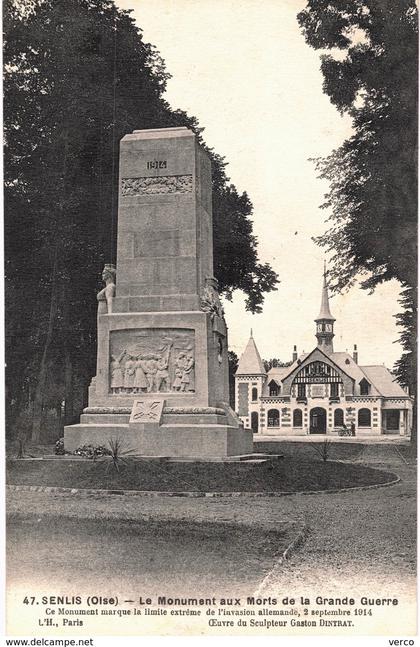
(182, 432)
(162, 337)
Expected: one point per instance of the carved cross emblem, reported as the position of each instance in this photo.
(146, 411)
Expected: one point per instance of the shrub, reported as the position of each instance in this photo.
(92, 451)
(323, 449)
(116, 454)
(59, 447)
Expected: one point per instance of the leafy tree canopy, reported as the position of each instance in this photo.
(274, 362)
(373, 175)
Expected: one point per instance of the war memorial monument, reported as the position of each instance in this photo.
(162, 385)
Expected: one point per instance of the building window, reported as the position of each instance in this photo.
(301, 391)
(363, 418)
(297, 418)
(338, 418)
(254, 394)
(274, 388)
(273, 418)
(364, 387)
(334, 390)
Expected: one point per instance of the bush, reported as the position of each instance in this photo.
(59, 447)
(92, 451)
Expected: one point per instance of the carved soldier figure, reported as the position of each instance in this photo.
(176, 384)
(179, 371)
(162, 374)
(129, 374)
(186, 380)
(150, 367)
(106, 295)
(117, 373)
(140, 381)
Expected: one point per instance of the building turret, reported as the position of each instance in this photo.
(325, 321)
(249, 380)
(250, 362)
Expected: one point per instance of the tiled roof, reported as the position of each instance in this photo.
(250, 362)
(347, 364)
(383, 381)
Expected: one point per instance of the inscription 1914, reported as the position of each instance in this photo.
(156, 164)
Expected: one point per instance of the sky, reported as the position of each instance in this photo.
(242, 67)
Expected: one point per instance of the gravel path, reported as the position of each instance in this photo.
(359, 542)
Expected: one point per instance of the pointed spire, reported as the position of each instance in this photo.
(250, 362)
(325, 312)
(250, 333)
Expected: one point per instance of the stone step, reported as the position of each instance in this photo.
(193, 419)
(168, 418)
(107, 425)
(104, 418)
(196, 426)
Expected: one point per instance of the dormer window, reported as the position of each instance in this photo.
(273, 388)
(364, 387)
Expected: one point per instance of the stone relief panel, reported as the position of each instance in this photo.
(152, 360)
(156, 185)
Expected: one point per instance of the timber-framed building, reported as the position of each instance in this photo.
(321, 391)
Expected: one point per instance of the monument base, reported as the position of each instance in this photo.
(184, 432)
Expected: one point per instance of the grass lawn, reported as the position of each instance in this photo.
(147, 556)
(337, 451)
(299, 473)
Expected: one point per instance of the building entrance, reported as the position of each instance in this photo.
(254, 422)
(318, 421)
(392, 421)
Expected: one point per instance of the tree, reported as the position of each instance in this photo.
(373, 174)
(78, 77)
(274, 362)
(232, 230)
(405, 367)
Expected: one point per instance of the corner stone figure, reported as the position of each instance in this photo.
(210, 300)
(106, 295)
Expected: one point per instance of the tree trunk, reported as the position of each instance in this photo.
(68, 365)
(414, 427)
(40, 387)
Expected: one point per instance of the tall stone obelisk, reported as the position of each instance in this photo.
(162, 365)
